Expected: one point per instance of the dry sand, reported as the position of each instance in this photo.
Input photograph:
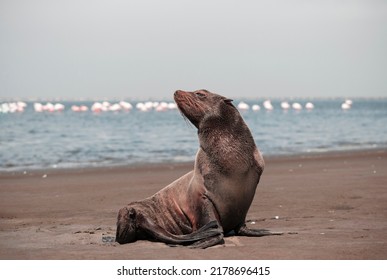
(337, 204)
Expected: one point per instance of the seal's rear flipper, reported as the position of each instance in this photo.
(209, 230)
(208, 242)
(245, 231)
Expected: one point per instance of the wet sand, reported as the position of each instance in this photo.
(332, 206)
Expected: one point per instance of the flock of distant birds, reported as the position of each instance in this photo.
(286, 105)
(105, 106)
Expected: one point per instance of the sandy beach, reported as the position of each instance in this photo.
(331, 206)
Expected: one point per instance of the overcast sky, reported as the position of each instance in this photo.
(148, 49)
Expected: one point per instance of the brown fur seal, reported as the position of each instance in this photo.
(213, 199)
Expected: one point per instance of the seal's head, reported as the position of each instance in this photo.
(202, 105)
(126, 225)
(224, 137)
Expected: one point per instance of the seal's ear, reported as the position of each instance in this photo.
(228, 101)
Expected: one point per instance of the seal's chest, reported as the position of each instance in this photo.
(232, 199)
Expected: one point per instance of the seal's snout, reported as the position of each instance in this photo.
(180, 97)
(178, 93)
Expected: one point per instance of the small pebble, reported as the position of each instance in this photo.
(44, 176)
(108, 239)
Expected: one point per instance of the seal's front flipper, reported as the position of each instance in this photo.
(245, 231)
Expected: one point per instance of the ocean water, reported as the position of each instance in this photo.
(33, 140)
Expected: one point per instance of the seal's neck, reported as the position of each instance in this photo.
(227, 144)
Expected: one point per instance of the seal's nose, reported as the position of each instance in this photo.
(177, 93)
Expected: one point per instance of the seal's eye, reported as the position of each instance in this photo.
(201, 95)
(132, 213)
